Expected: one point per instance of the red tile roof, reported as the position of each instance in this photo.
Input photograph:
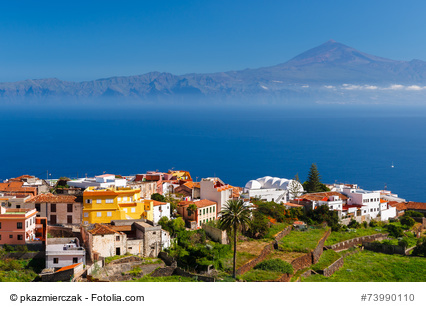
(416, 205)
(50, 198)
(322, 195)
(102, 229)
(192, 184)
(68, 267)
(200, 203)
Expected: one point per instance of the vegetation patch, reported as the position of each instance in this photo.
(368, 266)
(172, 278)
(327, 258)
(337, 237)
(302, 241)
(260, 276)
(20, 270)
(275, 265)
(275, 229)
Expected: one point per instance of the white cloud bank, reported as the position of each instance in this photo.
(346, 86)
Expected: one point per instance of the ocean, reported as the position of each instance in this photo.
(235, 144)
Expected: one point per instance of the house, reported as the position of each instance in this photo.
(16, 188)
(214, 189)
(122, 236)
(101, 181)
(273, 189)
(147, 188)
(159, 210)
(58, 209)
(62, 252)
(206, 210)
(416, 206)
(189, 190)
(334, 200)
(31, 181)
(17, 226)
(102, 205)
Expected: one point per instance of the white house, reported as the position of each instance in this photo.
(64, 252)
(104, 181)
(216, 190)
(273, 189)
(160, 210)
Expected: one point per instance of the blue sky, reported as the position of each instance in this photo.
(85, 40)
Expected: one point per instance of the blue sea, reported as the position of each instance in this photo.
(236, 144)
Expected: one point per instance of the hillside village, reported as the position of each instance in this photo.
(164, 226)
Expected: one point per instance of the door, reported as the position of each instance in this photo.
(52, 219)
(117, 251)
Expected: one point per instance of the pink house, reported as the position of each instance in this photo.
(17, 225)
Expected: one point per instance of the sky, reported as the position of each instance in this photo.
(86, 40)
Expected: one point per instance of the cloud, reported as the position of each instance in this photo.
(415, 88)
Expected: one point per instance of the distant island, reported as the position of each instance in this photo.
(331, 72)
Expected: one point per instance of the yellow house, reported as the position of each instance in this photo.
(107, 204)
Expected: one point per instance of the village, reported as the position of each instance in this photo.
(164, 226)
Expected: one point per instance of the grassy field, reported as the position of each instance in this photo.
(20, 270)
(259, 276)
(337, 237)
(368, 266)
(302, 241)
(327, 258)
(173, 278)
(275, 229)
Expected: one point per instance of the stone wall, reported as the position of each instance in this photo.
(181, 272)
(333, 267)
(215, 234)
(252, 263)
(25, 255)
(59, 231)
(317, 252)
(283, 233)
(302, 262)
(387, 249)
(357, 241)
(167, 259)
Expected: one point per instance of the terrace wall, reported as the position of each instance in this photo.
(252, 263)
(216, 234)
(387, 249)
(357, 241)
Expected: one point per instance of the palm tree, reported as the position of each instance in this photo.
(234, 214)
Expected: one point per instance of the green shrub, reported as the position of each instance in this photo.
(8, 248)
(420, 249)
(373, 223)
(365, 224)
(353, 224)
(275, 265)
(394, 230)
(413, 214)
(406, 220)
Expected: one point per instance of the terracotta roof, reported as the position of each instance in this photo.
(322, 195)
(346, 207)
(121, 228)
(17, 187)
(223, 188)
(416, 205)
(192, 184)
(398, 205)
(68, 267)
(200, 203)
(102, 229)
(50, 198)
(292, 205)
(25, 176)
(158, 203)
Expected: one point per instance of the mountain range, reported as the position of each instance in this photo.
(328, 65)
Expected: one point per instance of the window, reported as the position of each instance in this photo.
(99, 201)
(124, 198)
(125, 210)
(88, 201)
(86, 214)
(55, 260)
(109, 214)
(109, 201)
(117, 238)
(0, 225)
(210, 209)
(214, 208)
(69, 207)
(99, 214)
(119, 199)
(74, 260)
(52, 207)
(37, 206)
(19, 225)
(0, 237)
(133, 209)
(69, 219)
(18, 206)
(20, 237)
(10, 236)
(86, 222)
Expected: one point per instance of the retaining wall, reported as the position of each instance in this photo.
(215, 234)
(357, 241)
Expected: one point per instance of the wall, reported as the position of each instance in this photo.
(251, 264)
(283, 233)
(317, 252)
(356, 241)
(333, 267)
(387, 249)
(215, 234)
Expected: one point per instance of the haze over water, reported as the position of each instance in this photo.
(235, 144)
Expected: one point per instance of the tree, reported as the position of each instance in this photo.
(233, 215)
(406, 220)
(158, 197)
(313, 184)
(295, 188)
(192, 208)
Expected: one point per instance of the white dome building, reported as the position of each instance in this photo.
(274, 189)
